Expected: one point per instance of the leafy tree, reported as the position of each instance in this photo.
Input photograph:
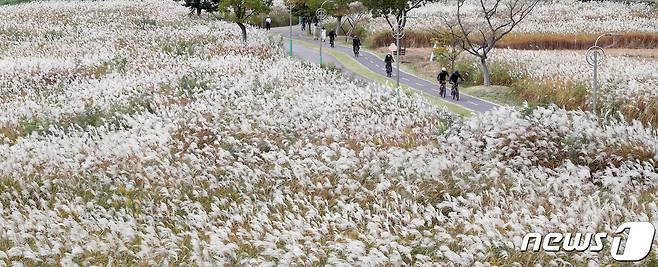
(301, 8)
(448, 45)
(356, 13)
(339, 9)
(196, 6)
(394, 8)
(240, 11)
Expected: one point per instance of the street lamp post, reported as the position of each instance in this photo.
(398, 34)
(321, 14)
(595, 57)
(290, 6)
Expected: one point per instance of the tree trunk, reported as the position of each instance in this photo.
(243, 28)
(486, 76)
(339, 25)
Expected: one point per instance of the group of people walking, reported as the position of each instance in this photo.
(332, 36)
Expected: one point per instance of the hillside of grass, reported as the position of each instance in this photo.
(140, 136)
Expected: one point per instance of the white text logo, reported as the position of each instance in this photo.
(637, 246)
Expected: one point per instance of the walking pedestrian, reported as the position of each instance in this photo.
(323, 35)
(332, 37)
(268, 23)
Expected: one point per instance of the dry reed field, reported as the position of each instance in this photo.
(133, 134)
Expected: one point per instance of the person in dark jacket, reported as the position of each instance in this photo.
(356, 45)
(389, 65)
(455, 77)
(442, 78)
(332, 37)
(454, 80)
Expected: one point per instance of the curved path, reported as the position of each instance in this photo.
(376, 64)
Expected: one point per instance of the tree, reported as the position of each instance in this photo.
(448, 45)
(301, 8)
(340, 9)
(356, 12)
(495, 19)
(201, 5)
(335, 8)
(239, 11)
(396, 8)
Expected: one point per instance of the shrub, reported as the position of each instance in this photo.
(568, 95)
(190, 84)
(118, 64)
(280, 17)
(145, 23)
(469, 70)
(331, 67)
(556, 41)
(412, 38)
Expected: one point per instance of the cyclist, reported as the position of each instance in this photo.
(442, 78)
(454, 80)
(356, 45)
(389, 65)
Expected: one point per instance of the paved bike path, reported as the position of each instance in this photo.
(376, 64)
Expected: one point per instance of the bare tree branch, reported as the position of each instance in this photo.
(498, 18)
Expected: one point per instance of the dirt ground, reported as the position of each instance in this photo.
(417, 60)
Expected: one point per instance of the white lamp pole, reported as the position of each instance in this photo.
(321, 14)
(595, 57)
(290, 6)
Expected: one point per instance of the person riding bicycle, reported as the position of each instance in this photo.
(442, 78)
(356, 45)
(454, 80)
(389, 64)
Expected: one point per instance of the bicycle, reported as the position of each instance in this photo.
(356, 51)
(389, 70)
(455, 91)
(442, 89)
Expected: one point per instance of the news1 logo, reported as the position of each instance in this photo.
(638, 243)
